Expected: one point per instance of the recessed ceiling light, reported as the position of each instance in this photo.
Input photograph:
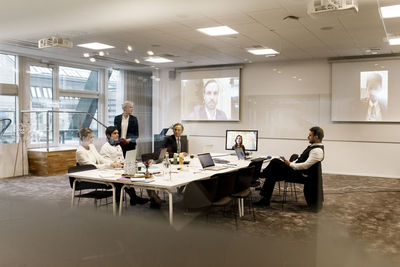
(158, 60)
(394, 41)
(129, 48)
(390, 11)
(137, 61)
(92, 59)
(218, 31)
(374, 52)
(96, 46)
(101, 53)
(86, 55)
(262, 51)
(150, 53)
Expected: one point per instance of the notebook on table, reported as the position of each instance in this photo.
(207, 162)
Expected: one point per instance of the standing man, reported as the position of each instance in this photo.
(282, 169)
(128, 126)
(209, 110)
(175, 143)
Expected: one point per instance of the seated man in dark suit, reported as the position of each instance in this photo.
(282, 169)
(175, 143)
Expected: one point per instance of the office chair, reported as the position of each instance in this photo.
(100, 190)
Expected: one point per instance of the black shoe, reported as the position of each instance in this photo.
(138, 200)
(154, 204)
(261, 203)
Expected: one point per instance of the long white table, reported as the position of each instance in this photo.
(180, 175)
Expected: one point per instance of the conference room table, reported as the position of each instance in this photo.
(161, 180)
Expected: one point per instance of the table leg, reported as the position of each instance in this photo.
(121, 198)
(171, 209)
(73, 193)
(114, 199)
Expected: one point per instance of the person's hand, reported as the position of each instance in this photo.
(116, 164)
(128, 141)
(286, 161)
(185, 154)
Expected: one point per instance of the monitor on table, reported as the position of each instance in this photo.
(249, 139)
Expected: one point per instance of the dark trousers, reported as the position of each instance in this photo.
(130, 191)
(277, 170)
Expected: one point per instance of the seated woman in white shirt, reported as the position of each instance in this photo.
(87, 154)
(111, 150)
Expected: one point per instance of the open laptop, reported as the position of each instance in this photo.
(130, 155)
(240, 153)
(207, 162)
(161, 156)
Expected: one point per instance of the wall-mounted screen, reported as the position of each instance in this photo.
(366, 91)
(210, 95)
(249, 139)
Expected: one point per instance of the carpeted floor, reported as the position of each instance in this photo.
(358, 226)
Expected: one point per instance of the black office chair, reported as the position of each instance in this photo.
(313, 187)
(242, 189)
(99, 191)
(200, 194)
(223, 195)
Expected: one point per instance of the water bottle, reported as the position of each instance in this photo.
(167, 166)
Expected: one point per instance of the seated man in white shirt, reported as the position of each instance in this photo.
(111, 150)
(281, 169)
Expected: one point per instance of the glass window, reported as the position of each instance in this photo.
(115, 95)
(69, 124)
(8, 118)
(40, 78)
(8, 66)
(78, 79)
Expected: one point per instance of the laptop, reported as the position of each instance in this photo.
(240, 153)
(130, 156)
(207, 162)
(161, 156)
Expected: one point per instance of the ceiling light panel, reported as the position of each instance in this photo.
(158, 60)
(96, 46)
(394, 41)
(262, 51)
(390, 11)
(218, 31)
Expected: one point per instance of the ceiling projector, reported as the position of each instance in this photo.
(326, 7)
(54, 42)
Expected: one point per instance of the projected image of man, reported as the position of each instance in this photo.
(375, 95)
(209, 110)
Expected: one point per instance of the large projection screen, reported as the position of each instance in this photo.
(367, 91)
(210, 95)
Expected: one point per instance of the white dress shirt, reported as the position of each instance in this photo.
(316, 154)
(91, 156)
(124, 126)
(113, 153)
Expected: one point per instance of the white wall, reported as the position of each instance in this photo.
(283, 100)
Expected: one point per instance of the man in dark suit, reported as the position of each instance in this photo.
(209, 110)
(128, 126)
(175, 143)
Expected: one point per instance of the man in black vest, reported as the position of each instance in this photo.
(281, 169)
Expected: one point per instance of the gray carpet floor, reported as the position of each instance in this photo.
(358, 226)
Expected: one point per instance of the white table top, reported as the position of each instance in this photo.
(186, 174)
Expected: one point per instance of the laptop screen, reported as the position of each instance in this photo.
(240, 153)
(206, 160)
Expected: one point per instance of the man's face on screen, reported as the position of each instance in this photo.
(211, 95)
